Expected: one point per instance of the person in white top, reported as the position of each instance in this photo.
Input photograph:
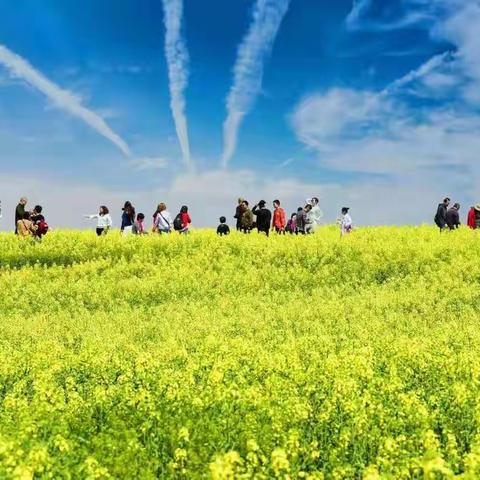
(315, 214)
(162, 220)
(346, 224)
(104, 220)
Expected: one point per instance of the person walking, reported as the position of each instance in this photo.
(315, 215)
(477, 215)
(162, 220)
(238, 214)
(346, 223)
(128, 218)
(264, 217)
(104, 220)
(301, 221)
(25, 226)
(471, 218)
(279, 218)
(247, 218)
(20, 212)
(453, 217)
(441, 215)
(182, 221)
(38, 219)
(292, 224)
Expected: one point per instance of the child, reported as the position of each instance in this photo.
(139, 226)
(223, 228)
(292, 224)
(182, 221)
(346, 224)
(39, 221)
(104, 220)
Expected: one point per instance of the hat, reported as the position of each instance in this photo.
(262, 203)
(346, 208)
(477, 207)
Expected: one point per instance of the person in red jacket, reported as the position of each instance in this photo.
(473, 220)
(279, 219)
(186, 220)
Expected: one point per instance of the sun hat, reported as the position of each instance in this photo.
(477, 207)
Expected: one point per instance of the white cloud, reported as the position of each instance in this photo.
(143, 164)
(63, 99)
(420, 135)
(361, 17)
(343, 114)
(248, 70)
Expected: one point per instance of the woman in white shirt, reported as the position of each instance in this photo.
(162, 220)
(104, 220)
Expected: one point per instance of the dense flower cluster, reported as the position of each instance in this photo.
(241, 357)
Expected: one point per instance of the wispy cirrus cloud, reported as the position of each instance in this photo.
(147, 163)
(248, 70)
(20, 68)
(389, 16)
(177, 60)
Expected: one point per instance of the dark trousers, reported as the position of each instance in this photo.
(100, 231)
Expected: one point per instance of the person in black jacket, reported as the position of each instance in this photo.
(441, 216)
(223, 228)
(20, 211)
(453, 217)
(264, 217)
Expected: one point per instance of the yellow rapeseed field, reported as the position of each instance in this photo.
(241, 357)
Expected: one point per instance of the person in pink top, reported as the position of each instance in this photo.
(139, 225)
(279, 219)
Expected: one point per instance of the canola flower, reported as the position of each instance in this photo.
(241, 357)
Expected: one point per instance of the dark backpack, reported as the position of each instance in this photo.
(42, 228)
(177, 223)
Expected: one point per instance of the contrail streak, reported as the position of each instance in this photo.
(63, 99)
(177, 61)
(248, 71)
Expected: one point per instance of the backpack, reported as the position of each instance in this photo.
(177, 223)
(42, 228)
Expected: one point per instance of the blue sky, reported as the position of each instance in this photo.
(371, 104)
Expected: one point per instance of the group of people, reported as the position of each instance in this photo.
(449, 216)
(133, 223)
(302, 222)
(30, 223)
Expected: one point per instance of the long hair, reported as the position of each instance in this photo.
(129, 210)
(161, 208)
